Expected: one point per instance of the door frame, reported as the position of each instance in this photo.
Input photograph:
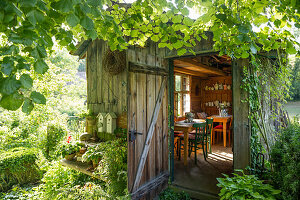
(241, 158)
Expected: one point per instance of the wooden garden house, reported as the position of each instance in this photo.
(141, 91)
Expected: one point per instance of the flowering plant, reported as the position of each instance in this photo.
(69, 147)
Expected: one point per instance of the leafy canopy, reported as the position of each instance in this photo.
(29, 29)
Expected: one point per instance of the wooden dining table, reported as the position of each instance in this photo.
(223, 120)
(186, 128)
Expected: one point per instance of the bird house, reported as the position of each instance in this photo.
(101, 122)
(111, 122)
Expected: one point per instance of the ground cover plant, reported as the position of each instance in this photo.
(242, 186)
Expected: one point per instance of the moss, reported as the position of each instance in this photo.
(18, 166)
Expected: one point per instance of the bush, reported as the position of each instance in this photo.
(170, 194)
(285, 156)
(113, 166)
(18, 166)
(245, 187)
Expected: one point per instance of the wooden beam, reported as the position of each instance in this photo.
(149, 136)
(188, 72)
(147, 69)
(189, 63)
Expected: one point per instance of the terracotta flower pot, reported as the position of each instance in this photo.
(70, 156)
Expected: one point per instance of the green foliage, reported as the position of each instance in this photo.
(30, 29)
(18, 166)
(170, 194)
(59, 180)
(113, 166)
(245, 187)
(295, 81)
(67, 148)
(285, 156)
(55, 132)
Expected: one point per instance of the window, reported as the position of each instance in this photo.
(182, 95)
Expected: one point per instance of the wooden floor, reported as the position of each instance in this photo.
(201, 178)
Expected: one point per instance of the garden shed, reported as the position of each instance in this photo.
(140, 91)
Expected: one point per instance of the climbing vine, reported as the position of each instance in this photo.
(266, 80)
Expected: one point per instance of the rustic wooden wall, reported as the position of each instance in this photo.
(143, 90)
(196, 94)
(216, 95)
(241, 126)
(105, 92)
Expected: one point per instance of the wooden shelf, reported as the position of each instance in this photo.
(79, 166)
(217, 91)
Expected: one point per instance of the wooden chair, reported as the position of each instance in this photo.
(177, 134)
(195, 140)
(219, 129)
(209, 128)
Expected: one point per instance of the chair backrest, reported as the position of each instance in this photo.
(200, 131)
(209, 125)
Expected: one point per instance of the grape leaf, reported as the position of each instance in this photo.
(38, 98)
(27, 106)
(40, 67)
(26, 81)
(12, 102)
(10, 85)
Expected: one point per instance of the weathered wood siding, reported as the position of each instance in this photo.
(105, 93)
(241, 126)
(143, 92)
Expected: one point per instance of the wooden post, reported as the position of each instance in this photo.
(171, 117)
(149, 136)
(241, 129)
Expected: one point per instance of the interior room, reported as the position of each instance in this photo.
(202, 90)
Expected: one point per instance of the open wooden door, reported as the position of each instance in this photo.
(147, 122)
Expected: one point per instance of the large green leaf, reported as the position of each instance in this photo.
(87, 23)
(243, 29)
(63, 5)
(181, 51)
(7, 66)
(72, 20)
(10, 85)
(40, 67)
(290, 49)
(28, 3)
(35, 16)
(38, 98)
(12, 102)
(27, 106)
(26, 81)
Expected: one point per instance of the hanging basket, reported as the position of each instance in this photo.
(114, 62)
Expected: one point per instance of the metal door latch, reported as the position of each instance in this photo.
(133, 135)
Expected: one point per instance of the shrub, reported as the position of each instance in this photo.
(18, 166)
(285, 156)
(113, 166)
(170, 194)
(245, 187)
(55, 132)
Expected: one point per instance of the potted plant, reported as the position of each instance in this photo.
(94, 154)
(68, 149)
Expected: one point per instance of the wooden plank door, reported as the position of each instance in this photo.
(147, 120)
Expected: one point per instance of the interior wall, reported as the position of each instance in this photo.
(216, 95)
(196, 94)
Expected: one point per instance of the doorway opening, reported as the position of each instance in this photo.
(202, 89)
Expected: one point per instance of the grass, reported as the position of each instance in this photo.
(293, 108)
